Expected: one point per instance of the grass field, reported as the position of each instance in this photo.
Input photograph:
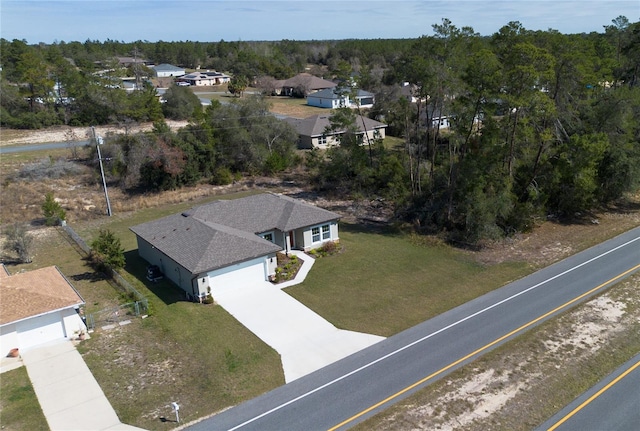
(19, 407)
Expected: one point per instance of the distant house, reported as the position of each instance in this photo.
(313, 132)
(130, 61)
(231, 243)
(333, 98)
(37, 307)
(302, 85)
(165, 70)
(207, 78)
(410, 92)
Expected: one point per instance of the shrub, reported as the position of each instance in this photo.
(49, 168)
(106, 251)
(53, 212)
(222, 176)
(19, 241)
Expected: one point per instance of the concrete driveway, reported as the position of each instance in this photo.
(69, 395)
(305, 341)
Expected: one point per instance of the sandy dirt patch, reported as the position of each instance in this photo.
(69, 134)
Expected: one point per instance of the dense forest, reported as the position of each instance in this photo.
(541, 124)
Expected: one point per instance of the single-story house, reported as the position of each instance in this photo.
(204, 78)
(302, 85)
(37, 307)
(228, 243)
(313, 132)
(165, 70)
(411, 93)
(334, 98)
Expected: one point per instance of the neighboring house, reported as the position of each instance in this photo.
(130, 61)
(165, 70)
(230, 243)
(205, 78)
(333, 98)
(37, 307)
(411, 93)
(313, 132)
(302, 85)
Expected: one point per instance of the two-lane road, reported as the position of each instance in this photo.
(353, 389)
(613, 404)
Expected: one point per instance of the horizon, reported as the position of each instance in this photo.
(56, 21)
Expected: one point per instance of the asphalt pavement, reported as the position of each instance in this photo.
(358, 386)
(613, 404)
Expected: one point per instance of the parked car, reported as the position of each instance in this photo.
(182, 84)
(153, 273)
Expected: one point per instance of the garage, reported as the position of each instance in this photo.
(41, 329)
(242, 274)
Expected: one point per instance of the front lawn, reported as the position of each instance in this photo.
(383, 282)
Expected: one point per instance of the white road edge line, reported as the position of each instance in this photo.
(426, 337)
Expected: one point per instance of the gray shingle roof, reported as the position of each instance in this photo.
(165, 67)
(316, 125)
(223, 232)
(308, 81)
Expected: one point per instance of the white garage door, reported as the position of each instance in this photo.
(234, 277)
(39, 330)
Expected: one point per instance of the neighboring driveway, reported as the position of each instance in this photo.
(69, 395)
(305, 341)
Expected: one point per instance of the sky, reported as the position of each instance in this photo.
(214, 20)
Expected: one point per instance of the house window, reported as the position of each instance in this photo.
(322, 140)
(321, 233)
(268, 236)
(326, 232)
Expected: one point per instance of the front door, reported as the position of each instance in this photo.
(291, 240)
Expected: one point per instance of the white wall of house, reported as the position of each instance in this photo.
(34, 331)
(314, 239)
(243, 273)
(169, 74)
(321, 102)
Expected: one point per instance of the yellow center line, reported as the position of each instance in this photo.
(594, 396)
(481, 349)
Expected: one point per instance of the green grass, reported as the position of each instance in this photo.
(20, 410)
(386, 283)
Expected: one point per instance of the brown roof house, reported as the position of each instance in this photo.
(302, 85)
(230, 243)
(313, 132)
(37, 307)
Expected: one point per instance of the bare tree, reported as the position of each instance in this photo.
(19, 241)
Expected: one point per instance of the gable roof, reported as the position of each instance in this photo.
(36, 292)
(316, 125)
(223, 232)
(308, 81)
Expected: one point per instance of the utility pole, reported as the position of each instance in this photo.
(99, 141)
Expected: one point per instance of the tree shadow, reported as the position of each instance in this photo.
(91, 276)
(165, 290)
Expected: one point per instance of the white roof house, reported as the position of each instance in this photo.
(168, 70)
(37, 307)
(340, 98)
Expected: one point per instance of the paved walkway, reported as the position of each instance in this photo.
(69, 395)
(305, 341)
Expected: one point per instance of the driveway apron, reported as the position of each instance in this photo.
(69, 395)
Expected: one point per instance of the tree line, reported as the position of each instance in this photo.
(540, 124)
